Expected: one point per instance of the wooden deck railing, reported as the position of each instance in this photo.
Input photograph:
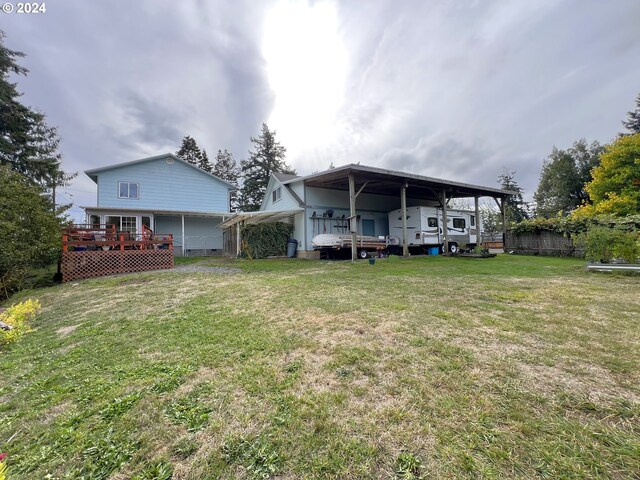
(106, 237)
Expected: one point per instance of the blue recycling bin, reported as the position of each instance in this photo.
(292, 248)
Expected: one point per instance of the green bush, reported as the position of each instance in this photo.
(30, 232)
(266, 239)
(602, 244)
(18, 317)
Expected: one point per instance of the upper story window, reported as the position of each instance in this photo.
(128, 190)
(277, 194)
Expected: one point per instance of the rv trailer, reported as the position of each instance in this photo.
(424, 228)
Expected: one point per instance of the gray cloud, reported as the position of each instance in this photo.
(455, 90)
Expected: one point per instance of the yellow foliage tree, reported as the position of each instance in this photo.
(615, 188)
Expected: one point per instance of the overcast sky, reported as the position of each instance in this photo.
(453, 89)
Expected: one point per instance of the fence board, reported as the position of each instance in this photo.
(542, 243)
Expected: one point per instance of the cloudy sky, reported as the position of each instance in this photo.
(452, 89)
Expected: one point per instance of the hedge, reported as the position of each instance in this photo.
(569, 226)
(265, 239)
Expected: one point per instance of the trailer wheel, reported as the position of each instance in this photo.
(362, 254)
(453, 248)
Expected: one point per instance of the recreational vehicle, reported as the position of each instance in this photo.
(424, 228)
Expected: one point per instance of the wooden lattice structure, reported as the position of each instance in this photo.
(97, 250)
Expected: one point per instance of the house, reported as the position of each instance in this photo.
(324, 202)
(167, 195)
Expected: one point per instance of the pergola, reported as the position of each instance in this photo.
(357, 179)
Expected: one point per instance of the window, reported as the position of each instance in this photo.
(277, 194)
(128, 190)
(459, 223)
(129, 224)
(432, 221)
(473, 220)
(94, 220)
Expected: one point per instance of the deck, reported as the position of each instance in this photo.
(90, 251)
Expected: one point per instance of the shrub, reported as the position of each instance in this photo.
(266, 239)
(18, 316)
(3, 467)
(602, 244)
(30, 233)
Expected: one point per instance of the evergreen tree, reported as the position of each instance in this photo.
(267, 158)
(633, 118)
(515, 206)
(228, 170)
(563, 178)
(27, 144)
(189, 151)
(204, 162)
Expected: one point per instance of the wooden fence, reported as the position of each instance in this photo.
(542, 243)
(97, 250)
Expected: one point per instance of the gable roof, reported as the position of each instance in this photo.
(92, 174)
(283, 177)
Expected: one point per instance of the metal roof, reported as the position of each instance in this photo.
(283, 177)
(388, 182)
(92, 173)
(259, 217)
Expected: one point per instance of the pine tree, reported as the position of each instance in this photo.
(189, 151)
(515, 206)
(267, 158)
(228, 170)
(27, 144)
(204, 163)
(633, 118)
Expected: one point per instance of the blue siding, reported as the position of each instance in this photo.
(164, 186)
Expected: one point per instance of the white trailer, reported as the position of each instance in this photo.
(424, 228)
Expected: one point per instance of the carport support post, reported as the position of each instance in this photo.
(503, 208)
(352, 213)
(183, 242)
(403, 203)
(445, 230)
(238, 241)
(478, 233)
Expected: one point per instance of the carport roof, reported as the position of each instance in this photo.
(388, 182)
(259, 217)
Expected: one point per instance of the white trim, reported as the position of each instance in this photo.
(129, 197)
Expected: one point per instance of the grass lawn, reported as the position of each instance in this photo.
(430, 367)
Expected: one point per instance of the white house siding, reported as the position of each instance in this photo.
(163, 186)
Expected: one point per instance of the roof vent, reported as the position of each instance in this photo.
(170, 160)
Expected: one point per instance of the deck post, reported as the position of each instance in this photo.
(352, 213)
(478, 233)
(445, 230)
(403, 202)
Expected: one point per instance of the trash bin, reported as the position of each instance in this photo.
(292, 247)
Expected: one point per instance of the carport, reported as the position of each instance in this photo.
(357, 179)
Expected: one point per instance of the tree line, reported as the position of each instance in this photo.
(584, 180)
(251, 176)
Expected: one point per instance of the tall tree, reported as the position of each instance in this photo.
(632, 123)
(515, 206)
(615, 188)
(189, 151)
(564, 174)
(27, 144)
(268, 157)
(204, 162)
(228, 170)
